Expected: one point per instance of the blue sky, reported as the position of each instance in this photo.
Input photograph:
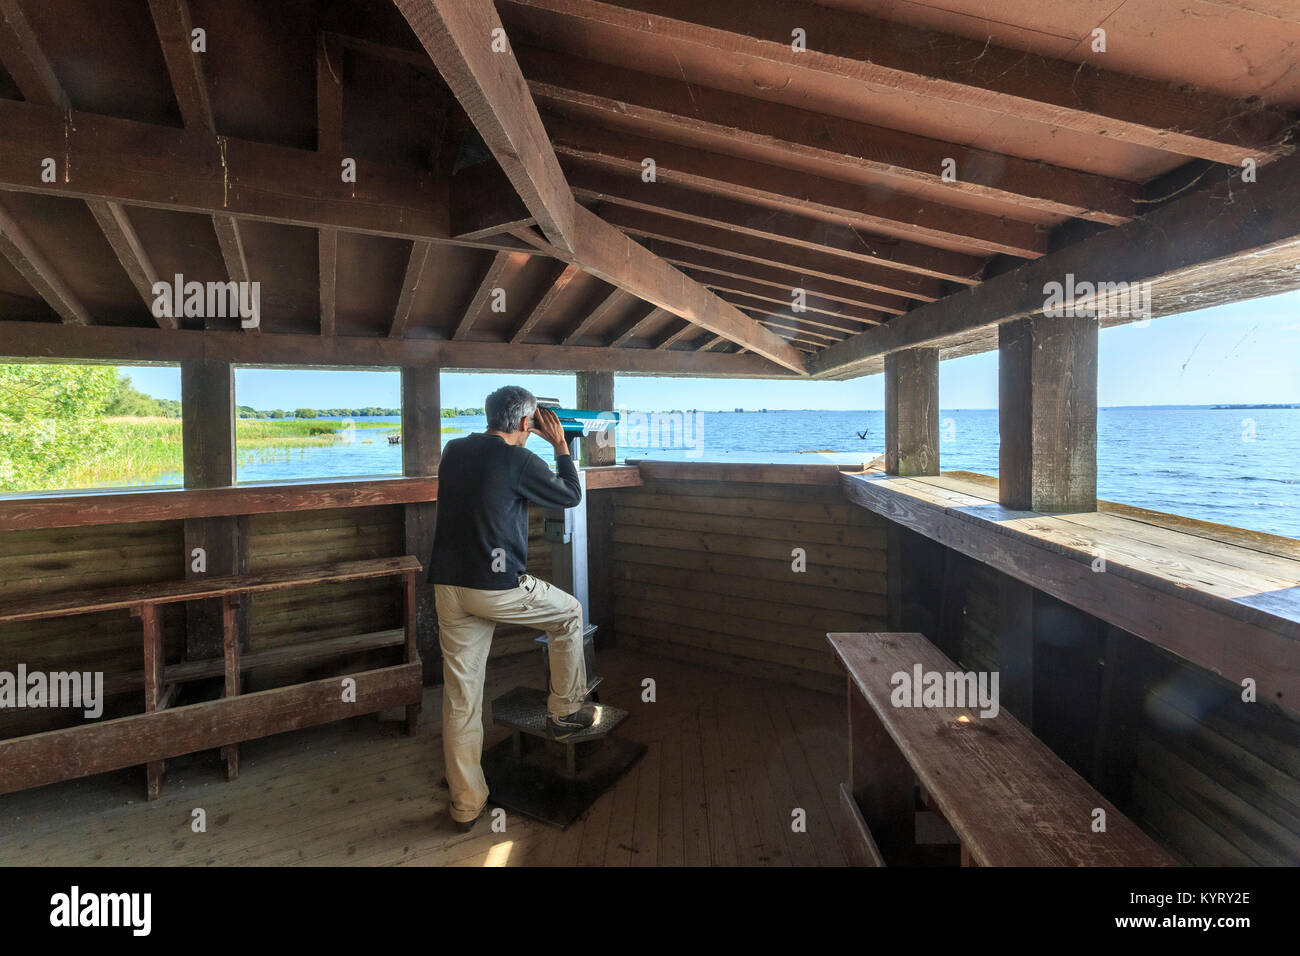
(1247, 352)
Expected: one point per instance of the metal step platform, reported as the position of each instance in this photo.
(555, 781)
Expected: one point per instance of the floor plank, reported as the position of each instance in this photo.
(728, 757)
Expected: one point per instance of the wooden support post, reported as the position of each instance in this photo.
(912, 412)
(421, 452)
(1047, 414)
(208, 435)
(230, 646)
(596, 392)
(151, 624)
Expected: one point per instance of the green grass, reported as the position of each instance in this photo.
(143, 449)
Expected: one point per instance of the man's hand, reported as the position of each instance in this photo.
(549, 427)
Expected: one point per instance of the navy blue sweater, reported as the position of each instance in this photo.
(484, 487)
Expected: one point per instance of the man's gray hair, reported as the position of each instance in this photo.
(506, 406)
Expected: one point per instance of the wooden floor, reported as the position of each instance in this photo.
(730, 759)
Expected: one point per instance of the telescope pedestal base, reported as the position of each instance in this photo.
(531, 783)
(553, 781)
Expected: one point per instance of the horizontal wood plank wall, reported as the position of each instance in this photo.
(66, 559)
(1216, 779)
(61, 560)
(703, 573)
(304, 539)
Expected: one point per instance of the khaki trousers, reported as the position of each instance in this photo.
(467, 618)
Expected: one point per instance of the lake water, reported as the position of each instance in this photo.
(1232, 466)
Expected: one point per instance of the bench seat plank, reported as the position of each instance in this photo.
(1012, 801)
(169, 592)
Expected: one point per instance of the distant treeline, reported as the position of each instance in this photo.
(370, 411)
(461, 412)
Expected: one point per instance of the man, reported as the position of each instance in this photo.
(480, 545)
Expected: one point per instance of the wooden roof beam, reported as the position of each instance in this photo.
(559, 82)
(136, 163)
(600, 312)
(22, 253)
(784, 279)
(491, 281)
(763, 222)
(59, 343)
(459, 36)
(25, 62)
(759, 307)
(554, 290)
(416, 267)
(173, 23)
(1191, 248)
(116, 226)
(814, 304)
(327, 247)
(881, 54)
(484, 203)
(637, 327)
(824, 265)
(668, 341)
(799, 191)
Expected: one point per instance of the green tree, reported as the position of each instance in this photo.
(305, 413)
(51, 418)
(129, 401)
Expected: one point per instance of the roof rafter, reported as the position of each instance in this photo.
(763, 222)
(559, 81)
(1198, 243)
(487, 285)
(22, 253)
(116, 226)
(632, 331)
(416, 266)
(825, 265)
(882, 54)
(554, 289)
(600, 312)
(460, 36)
(796, 190)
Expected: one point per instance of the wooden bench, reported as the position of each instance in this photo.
(163, 730)
(1010, 800)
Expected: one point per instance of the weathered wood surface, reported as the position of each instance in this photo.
(818, 474)
(1236, 613)
(39, 759)
(48, 342)
(1011, 800)
(170, 592)
(705, 571)
(77, 509)
(342, 793)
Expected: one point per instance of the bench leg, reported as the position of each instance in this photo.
(882, 782)
(411, 654)
(230, 648)
(153, 686)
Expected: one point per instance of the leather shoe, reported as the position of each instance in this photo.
(464, 826)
